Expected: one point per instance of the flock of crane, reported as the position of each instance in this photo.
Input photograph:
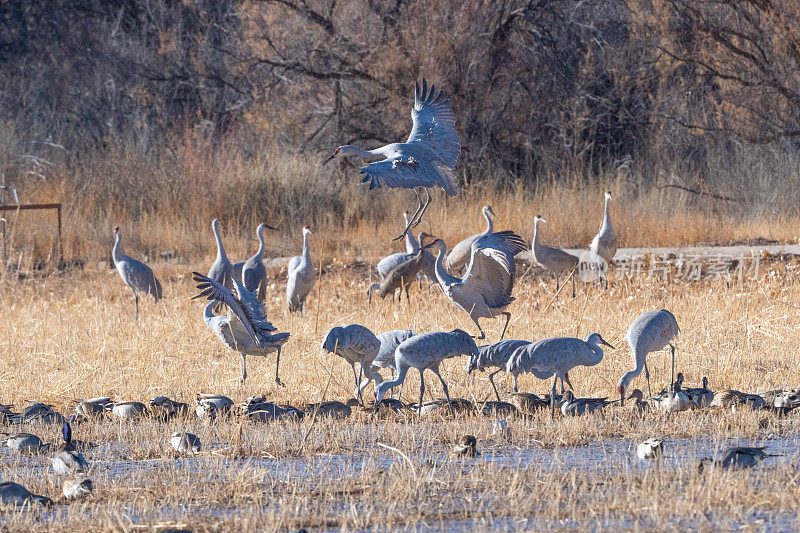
(427, 159)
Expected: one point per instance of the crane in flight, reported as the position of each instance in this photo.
(427, 158)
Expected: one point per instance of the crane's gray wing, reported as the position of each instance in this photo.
(435, 124)
(406, 172)
(293, 263)
(216, 291)
(254, 308)
(492, 269)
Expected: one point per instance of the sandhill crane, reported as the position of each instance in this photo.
(495, 355)
(390, 262)
(651, 449)
(15, 494)
(572, 406)
(77, 487)
(553, 259)
(355, 344)
(648, 332)
(135, 274)
(426, 159)
(254, 273)
(485, 290)
(302, 277)
(67, 459)
(737, 457)
(401, 276)
(461, 252)
(427, 350)
(389, 340)
(245, 329)
(557, 355)
(221, 270)
(604, 243)
(411, 243)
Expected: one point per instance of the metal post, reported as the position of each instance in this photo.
(3, 218)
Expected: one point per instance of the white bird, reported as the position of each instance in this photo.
(427, 350)
(302, 277)
(461, 252)
(426, 159)
(77, 486)
(649, 332)
(135, 274)
(572, 406)
(67, 459)
(355, 344)
(209, 406)
(245, 329)
(129, 410)
(485, 290)
(651, 449)
(675, 400)
(557, 355)
(604, 243)
(254, 273)
(221, 270)
(15, 494)
(555, 260)
(389, 340)
(183, 442)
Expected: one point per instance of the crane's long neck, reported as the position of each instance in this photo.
(386, 385)
(606, 217)
(536, 244)
(220, 249)
(639, 358)
(444, 278)
(116, 253)
(489, 224)
(260, 252)
(598, 354)
(369, 156)
(306, 251)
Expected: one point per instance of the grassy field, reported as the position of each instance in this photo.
(71, 335)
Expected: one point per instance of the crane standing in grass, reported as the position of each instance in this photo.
(604, 243)
(557, 355)
(553, 259)
(485, 290)
(462, 252)
(254, 274)
(355, 344)
(245, 329)
(302, 277)
(427, 350)
(135, 274)
(649, 332)
(427, 158)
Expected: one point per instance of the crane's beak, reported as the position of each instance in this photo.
(267, 226)
(603, 342)
(329, 158)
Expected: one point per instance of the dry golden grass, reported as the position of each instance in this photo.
(72, 335)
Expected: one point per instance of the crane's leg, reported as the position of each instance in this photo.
(672, 349)
(446, 392)
(277, 366)
(244, 368)
(557, 284)
(573, 285)
(491, 380)
(647, 377)
(421, 391)
(566, 378)
(136, 299)
(355, 378)
(413, 217)
(515, 383)
(424, 207)
(508, 318)
(482, 333)
(553, 398)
